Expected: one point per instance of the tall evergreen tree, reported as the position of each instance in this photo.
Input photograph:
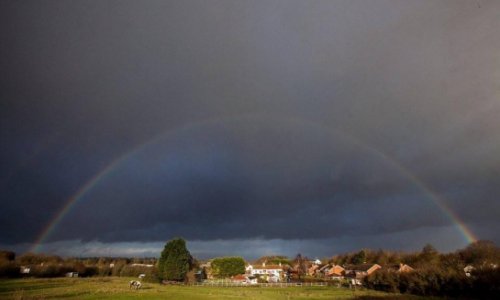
(359, 258)
(175, 261)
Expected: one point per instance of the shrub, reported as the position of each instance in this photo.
(116, 270)
(89, 271)
(485, 283)
(134, 271)
(7, 255)
(47, 270)
(9, 269)
(104, 271)
(223, 267)
(383, 281)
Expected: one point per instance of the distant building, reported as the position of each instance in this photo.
(266, 271)
(336, 272)
(324, 269)
(313, 270)
(72, 274)
(142, 265)
(400, 268)
(360, 271)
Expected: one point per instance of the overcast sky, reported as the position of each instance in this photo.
(249, 127)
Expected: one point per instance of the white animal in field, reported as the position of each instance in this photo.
(134, 284)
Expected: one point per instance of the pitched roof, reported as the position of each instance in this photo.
(268, 267)
(239, 277)
(398, 267)
(335, 270)
(361, 267)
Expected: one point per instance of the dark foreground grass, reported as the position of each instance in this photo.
(118, 288)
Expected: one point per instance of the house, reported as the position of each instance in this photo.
(24, 270)
(360, 271)
(248, 269)
(319, 270)
(335, 272)
(400, 268)
(313, 270)
(266, 271)
(273, 279)
(323, 270)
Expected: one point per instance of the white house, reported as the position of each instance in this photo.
(72, 274)
(142, 265)
(269, 271)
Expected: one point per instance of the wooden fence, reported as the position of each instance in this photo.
(277, 284)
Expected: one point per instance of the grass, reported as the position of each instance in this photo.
(118, 288)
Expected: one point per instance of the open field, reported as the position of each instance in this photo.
(117, 288)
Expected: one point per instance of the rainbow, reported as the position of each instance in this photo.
(102, 174)
(73, 200)
(437, 200)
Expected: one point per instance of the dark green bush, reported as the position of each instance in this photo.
(224, 267)
(9, 269)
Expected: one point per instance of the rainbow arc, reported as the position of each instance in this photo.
(436, 199)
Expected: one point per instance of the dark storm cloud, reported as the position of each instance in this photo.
(253, 178)
(282, 120)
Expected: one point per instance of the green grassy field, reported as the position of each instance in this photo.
(117, 288)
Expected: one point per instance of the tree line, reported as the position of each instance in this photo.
(41, 265)
(473, 271)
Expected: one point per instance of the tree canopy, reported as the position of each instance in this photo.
(175, 261)
(223, 267)
(300, 265)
